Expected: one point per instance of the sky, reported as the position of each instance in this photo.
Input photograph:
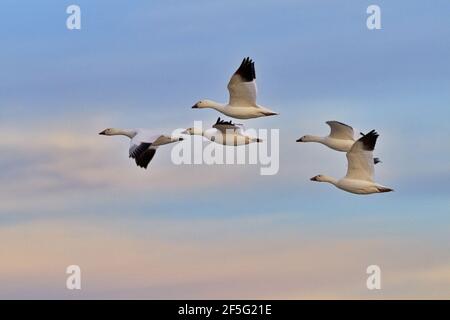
(71, 197)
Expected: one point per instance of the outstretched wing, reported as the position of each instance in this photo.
(360, 158)
(223, 126)
(144, 159)
(141, 149)
(340, 130)
(242, 85)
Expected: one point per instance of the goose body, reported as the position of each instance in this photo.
(242, 89)
(143, 143)
(341, 138)
(224, 132)
(360, 171)
(362, 187)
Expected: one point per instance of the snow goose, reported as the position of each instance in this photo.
(224, 132)
(143, 143)
(359, 178)
(242, 88)
(341, 138)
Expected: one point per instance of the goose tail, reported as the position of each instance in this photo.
(384, 189)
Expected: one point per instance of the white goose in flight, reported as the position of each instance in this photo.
(224, 132)
(341, 138)
(359, 178)
(242, 88)
(143, 143)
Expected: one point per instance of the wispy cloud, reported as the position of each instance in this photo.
(54, 166)
(153, 259)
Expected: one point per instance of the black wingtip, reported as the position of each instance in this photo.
(143, 166)
(220, 121)
(247, 70)
(369, 140)
(144, 159)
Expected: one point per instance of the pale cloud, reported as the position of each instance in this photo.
(65, 171)
(55, 167)
(159, 261)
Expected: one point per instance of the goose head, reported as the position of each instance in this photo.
(319, 178)
(306, 138)
(193, 131)
(109, 132)
(205, 104)
(324, 178)
(174, 139)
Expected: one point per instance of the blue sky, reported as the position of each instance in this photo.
(68, 196)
